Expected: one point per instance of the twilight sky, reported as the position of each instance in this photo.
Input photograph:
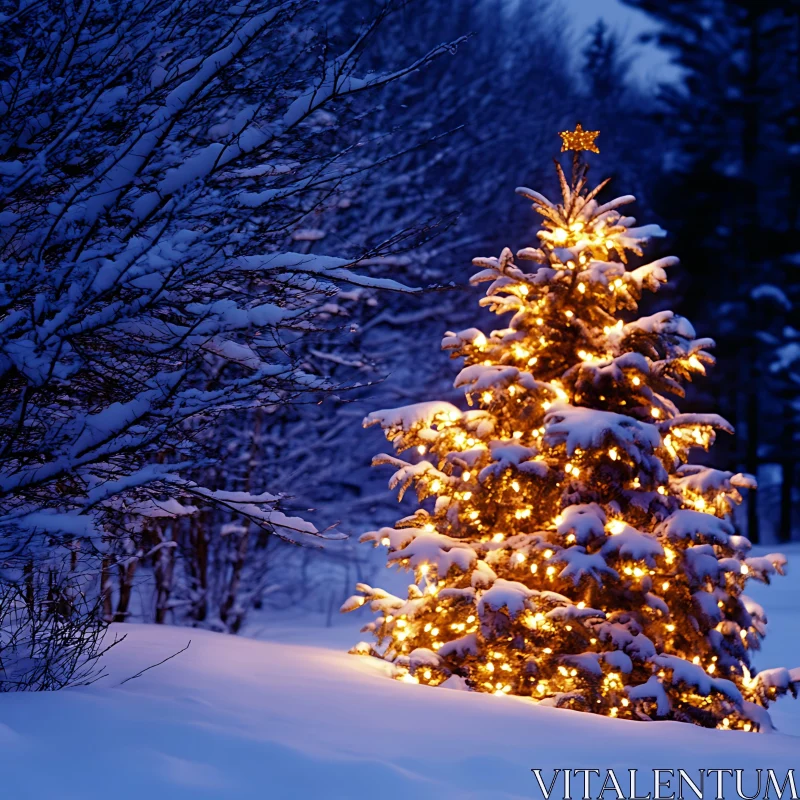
(652, 65)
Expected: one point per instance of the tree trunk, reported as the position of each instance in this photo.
(126, 574)
(106, 590)
(164, 569)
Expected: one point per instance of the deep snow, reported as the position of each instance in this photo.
(238, 718)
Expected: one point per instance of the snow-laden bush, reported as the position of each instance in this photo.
(155, 158)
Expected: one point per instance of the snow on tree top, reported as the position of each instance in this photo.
(511, 595)
(651, 689)
(411, 416)
(584, 522)
(428, 548)
(589, 428)
(694, 675)
(662, 322)
(779, 678)
(633, 544)
(702, 479)
(688, 524)
(580, 564)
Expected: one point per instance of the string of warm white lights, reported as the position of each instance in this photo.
(566, 549)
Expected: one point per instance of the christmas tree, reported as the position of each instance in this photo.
(566, 549)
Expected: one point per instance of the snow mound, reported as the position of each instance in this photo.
(237, 718)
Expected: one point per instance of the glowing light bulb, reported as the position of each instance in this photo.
(534, 569)
(569, 314)
(744, 569)
(665, 585)
(616, 526)
(454, 416)
(421, 449)
(498, 537)
(479, 341)
(636, 380)
(548, 553)
(560, 235)
(515, 485)
(386, 541)
(582, 288)
(612, 454)
(655, 413)
(465, 476)
(436, 484)
(486, 397)
(517, 434)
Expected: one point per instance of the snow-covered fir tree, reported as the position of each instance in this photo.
(567, 549)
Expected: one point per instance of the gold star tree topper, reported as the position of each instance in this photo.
(579, 139)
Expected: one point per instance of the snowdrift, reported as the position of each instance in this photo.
(238, 718)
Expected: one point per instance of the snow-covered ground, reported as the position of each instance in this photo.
(294, 716)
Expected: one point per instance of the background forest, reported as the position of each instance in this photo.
(228, 234)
